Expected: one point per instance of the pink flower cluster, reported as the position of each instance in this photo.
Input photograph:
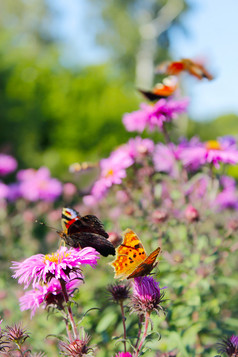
(213, 152)
(35, 185)
(153, 116)
(47, 294)
(46, 273)
(42, 268)
(113, 169)
(7, 164)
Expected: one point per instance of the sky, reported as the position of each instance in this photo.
(213, 36)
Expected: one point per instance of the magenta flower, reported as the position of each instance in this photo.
(38, 185)
(4, 190)
(229, 346)
(165, 159)
(211, 152)
(138, 147)
(48, 294)
(7, 164)
(228, 197)
(147, 295)
(123, 354)
(41, 268)
(113, 171)
(155, 115)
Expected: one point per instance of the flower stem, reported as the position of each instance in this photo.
(166, 135)
(70, 314)
(124, 324)
(147, 316)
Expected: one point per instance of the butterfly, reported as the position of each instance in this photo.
(86, 231)
(161, 90)
(131, 259)
(187, 65)
(82, 167)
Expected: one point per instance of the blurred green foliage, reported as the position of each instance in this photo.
(52, 115)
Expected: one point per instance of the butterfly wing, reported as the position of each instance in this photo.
(87, 239)
(129, 255)
(146, 266)
(151, 95)
(87, 224)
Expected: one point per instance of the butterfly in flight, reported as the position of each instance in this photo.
(86, 231)
(161, 90)
(184, 65)
(131, 259)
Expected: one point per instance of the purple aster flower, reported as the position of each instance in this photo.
(138, 147)
(41, 268)
(14, 191)
(38, 185)
(48, 294)
(147, 295)
(229, 346)
(4, 190)
(154, 115)
(113, 171)
(7, 164)
(210, 152)
(228, 198)
(165, 159)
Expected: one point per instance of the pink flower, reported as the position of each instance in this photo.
(147, 295)
(48, 294)
(7, 164)
(228, 197)
(165, 159)
(41, 268)
(154, 115)
(123, 354)
(4, 190)
(113, 171)
(38, 185)
(138, 147)
(211, 152)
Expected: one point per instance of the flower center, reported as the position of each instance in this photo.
(109, 173)
(213, 145)
(55, 257)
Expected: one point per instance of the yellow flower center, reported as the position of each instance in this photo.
(55, 257)
(213, 145)
(109, 173)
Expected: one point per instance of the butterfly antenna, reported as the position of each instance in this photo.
(43, 224)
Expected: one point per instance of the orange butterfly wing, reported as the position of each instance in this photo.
(146, 266)
(131, 259)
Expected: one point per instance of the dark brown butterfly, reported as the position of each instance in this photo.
(161, 90)
(86, 231)
(185, 65)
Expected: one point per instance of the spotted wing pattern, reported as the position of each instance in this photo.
(131, 259)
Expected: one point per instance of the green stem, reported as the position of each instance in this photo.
(70, 314)
(124, 324)
(147, 316)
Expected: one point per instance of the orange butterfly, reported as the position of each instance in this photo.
(131, 259)
(185, 64)
(161, 90)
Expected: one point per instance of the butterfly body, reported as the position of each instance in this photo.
(185, 65)
(86, 231)
(131, 259)
(161, 90)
